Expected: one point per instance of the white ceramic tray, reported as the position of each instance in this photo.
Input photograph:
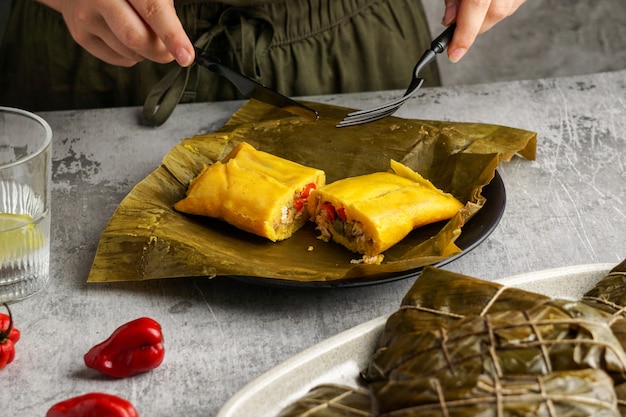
(339, 359)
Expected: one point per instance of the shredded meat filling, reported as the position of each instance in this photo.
(349, 229)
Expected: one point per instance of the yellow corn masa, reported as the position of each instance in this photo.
(254, 191)
(376, 211)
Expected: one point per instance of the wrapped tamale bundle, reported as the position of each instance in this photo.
(609, 294)
(556, 335)
(436, 300)
(370, 213)
(587, 392)
(254, 191)
(620, 392)
(331, 400)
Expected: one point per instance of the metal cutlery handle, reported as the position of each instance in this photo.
(440, 43)
(437, 46)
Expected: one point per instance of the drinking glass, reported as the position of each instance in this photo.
(25, 183)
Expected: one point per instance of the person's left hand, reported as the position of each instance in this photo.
(472, 18)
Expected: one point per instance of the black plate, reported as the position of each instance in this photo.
(475, 231)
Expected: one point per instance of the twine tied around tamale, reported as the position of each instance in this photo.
(503, 393)
(589, 341)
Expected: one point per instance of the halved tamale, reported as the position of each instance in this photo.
(575, 393)
(254, 191)
(331, 400)
(370, 213)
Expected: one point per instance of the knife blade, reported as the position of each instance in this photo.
(253, 89)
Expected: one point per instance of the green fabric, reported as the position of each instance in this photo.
(297, 47)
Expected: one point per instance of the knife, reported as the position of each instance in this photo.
(252, 89)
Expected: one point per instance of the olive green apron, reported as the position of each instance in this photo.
(297, 47)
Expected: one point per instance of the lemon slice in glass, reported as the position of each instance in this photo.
(18, 235)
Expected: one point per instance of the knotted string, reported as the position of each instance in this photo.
(245, 31)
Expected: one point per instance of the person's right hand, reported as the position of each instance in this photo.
(472, 18)
(124, 32)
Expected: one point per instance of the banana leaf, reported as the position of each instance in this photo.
(620, 392)
(146, 239)
(478, 348)
(609, 294)
(556, 335)
(574, 393)
(436, 300)
(331, 400)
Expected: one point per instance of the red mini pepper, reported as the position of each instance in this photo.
(9, 335)
(94, 404)
(134, 347)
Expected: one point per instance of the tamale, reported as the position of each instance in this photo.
(609, 294)
(254, 191)
(436, 300)
(620, 392)
(370, 213)
(557, 335)
(469, 353)
(331, 400)
(146, 238)
(576, 393)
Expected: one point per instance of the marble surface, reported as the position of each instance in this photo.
(566, 208)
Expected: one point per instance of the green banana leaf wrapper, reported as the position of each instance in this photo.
(462, 346)
(490, 328)
(331, 400)
(586, 392)
(147, 239)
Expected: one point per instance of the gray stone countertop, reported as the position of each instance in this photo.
(566, 208)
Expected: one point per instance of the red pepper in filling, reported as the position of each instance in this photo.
(134, 347)
(9, 335)
(329, 211)
(94, 404)
(341, 212)
(298, 203)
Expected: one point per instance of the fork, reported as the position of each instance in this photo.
(438, 45)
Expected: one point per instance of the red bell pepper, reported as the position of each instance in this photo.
(94, 404)
(341, 212)
(298, 203)
(132, 348)
(9, 335)
(329, 211)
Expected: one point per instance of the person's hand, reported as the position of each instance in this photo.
(124, 32)
(472, 18)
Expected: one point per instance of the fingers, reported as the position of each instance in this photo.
(469, 20)
(123, 33)
(474, 17)
(449, 16)
(160, 16)
(89, 30)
